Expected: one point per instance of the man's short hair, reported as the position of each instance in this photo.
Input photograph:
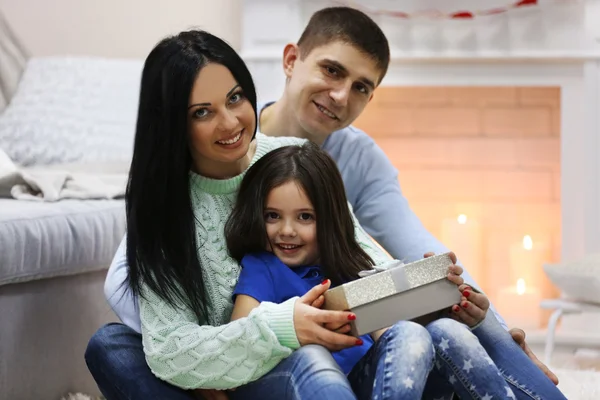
(350, 26)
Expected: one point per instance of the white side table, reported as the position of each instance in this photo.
(562, 307)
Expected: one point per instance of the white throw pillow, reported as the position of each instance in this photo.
(13, 59)
(72, 109)
(579, 280)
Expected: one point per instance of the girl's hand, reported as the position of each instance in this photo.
(312, 323)
(454, 271)
(472, 308)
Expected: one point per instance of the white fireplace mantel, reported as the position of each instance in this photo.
(573, 64)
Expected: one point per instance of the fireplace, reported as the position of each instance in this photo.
(486, 124)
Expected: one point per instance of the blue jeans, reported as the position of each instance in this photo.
(446, 357)
(408, 362)
(525, 378)
(115, 357)
(396, 366)
(483, 362)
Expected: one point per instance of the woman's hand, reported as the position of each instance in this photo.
(312, 323)
(472, 308)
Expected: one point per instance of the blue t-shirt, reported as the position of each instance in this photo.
(265, 278)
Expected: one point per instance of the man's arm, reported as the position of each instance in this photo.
(374, 191)
(118, 294)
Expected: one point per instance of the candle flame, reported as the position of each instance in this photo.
(527, 242)
(521, 286)
(462, 219)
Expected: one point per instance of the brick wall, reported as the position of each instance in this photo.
(492, 153)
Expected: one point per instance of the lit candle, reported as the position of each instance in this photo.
(527, 259)
(463, 236)
(520, 305)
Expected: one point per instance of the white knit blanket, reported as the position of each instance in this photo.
(68, 181)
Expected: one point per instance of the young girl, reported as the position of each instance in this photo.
(291, 228)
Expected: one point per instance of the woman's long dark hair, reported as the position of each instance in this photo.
(314, 170)
(161, 235)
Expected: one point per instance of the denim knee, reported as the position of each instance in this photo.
(410, 329)
(313, 358)
(410, 339)
(447, 329)
(105, 338)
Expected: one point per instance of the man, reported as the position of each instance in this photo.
(329, 83)
(332, 72)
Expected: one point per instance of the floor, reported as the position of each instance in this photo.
(577, 369)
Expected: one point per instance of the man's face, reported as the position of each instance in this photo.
(329, 88)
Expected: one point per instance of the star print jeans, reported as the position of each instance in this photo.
(470, 363)
(397, 366)
(413, 362)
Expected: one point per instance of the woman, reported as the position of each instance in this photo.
(195, 138)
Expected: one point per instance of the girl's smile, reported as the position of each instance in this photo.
(291, 225)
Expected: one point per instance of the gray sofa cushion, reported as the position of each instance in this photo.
(42, 240)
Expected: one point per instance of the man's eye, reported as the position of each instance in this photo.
(331, 71)
(362, 88)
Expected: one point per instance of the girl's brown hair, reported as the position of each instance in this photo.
(315, 171)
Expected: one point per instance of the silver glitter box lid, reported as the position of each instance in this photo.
(388, 283)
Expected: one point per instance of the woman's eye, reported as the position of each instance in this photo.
(201, 113)
(306, 216)
(235, 98)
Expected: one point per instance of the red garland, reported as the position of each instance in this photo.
(437, 14)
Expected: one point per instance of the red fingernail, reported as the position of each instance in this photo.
(359, 342)
(324, 282)
(466, 294)
(465, 305)
(351, 317)
(455, 308)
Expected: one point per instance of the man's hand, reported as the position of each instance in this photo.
(518, 336)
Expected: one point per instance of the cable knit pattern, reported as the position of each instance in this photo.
(218, 354)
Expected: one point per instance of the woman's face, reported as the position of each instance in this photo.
(221, 123)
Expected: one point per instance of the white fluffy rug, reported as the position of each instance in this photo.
(575, 385)
(579, 385)
(80, 396)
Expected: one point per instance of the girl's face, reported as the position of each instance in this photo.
(221, 123)
(291, 225)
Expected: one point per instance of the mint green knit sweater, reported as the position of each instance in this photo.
(219, 354)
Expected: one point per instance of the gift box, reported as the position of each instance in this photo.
(395, 292)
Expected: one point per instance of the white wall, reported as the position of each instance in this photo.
(115, 28)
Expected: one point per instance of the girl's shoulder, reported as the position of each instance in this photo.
(262, 258)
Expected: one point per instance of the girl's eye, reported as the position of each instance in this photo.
(235, 98)
(271, 215)
(201, 113)
(306, 216)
